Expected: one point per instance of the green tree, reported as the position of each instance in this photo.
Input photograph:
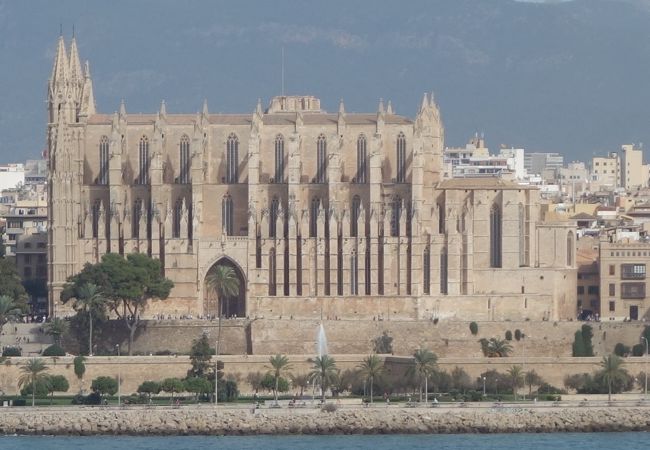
(324, 372)
(621, 350)
(33, 372)
(197, 386)
(11, 284)
(268, 383)
(91, 301)
(279, 366)
(79, 363)
(371, 368)
(531, 378)
(173, 386)
(461, 379)
(578, 344)
(612, 372)
(148, 388)
(516, 375)
(57, 328)
(497, 348)
(587, 336)
(300, 381)
(126, 283)
(56, 383)
(224, 281)
(424, 364)
(200, 356)
(255, 380)
(473, 328)
(10, 310)
(104, 386)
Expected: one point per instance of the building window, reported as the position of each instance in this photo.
(321, 159)
(95, 218)
(441, 218)
(632, 290)
(41, 259)
(612, 289)
(443, 271)
(612, 306)
(279, 159)
(103, 161)
(495, 237)
(273, 217)
(522, 236)
(227, 215)
(581, 290)
(184, 177)
(176, 222)
(41, 245)
(396, 212)
(612, 269)
(354, 219)
(28, 259)
(313, 217)
(401, 158)
(426, 268)
(28, 245)
(137, 217)
(232, 159)
(361, 159)
(143, 162)
(569, 249)
(272, 273)
(354, 274)
(593, 290)
(632, 271)
(28, 272)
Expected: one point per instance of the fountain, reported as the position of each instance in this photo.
(321, 341)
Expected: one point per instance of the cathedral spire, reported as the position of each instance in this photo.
(380, 109)
(60, 68)
(122, 108)
(205, 107)
(341, 108)
(425, 102)
(389, 108)
(163, 109)
(87, 106)
(258, 108)
(75, 63)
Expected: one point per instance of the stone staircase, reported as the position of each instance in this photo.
(28, 336)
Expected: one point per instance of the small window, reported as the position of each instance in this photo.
(612, 289)
(41, 245)
(592, 290)
(612, 269)
(612, 306)
(28, 245)
(28, 259)
(581, 290)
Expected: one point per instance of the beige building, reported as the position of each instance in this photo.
(606, 171)
(634, 174)
(320, 214)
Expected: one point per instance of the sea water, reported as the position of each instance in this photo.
(545, 441)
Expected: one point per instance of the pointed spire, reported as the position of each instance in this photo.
(75, 63)
(389, 108)
(205, 107)
(163, 109)
(60, 68)
(87, 96)
(425, 102)
(380, 110)
(341, 107)
(432, 100)
(122, 108)
(258, 108)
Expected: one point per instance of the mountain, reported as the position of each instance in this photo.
(567, 76)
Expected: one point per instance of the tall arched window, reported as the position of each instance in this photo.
(569, 249)
(272, 273)
(95, 218)
(354, 216)
(184, 147)
(401, 158)
(441, 218)
(103, 161)
(495, 236)
(232, 159)
(354, 273)
(176, 222)
(143, 162)
(395, 215)
(444, 288)
(321, 159)
(273, 216)
(522, 235)
(227, 215)
(361, 158)
(137, 217)
(426, 270)
(279, 159)
(313, 217)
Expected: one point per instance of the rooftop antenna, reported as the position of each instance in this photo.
(283, 71)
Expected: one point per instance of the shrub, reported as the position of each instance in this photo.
(518, 334)
(12, 351)
(621, 350)
(41, 390)
(228, 391)
(79, 366)
(54, 350)
(19, 402)
(587, 335)
(163, 353)
(104, 386)
(638, 350)
(509, 335)
(268, 383)
(473, 327)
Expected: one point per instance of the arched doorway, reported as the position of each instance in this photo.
(232, 306)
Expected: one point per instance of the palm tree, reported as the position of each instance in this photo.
(324, 372)
(33, 373)
(424, 363)
(224, 281)
(532, 379)
(516, 378)
(612, 372)
(279, 365)
(56, 328)
(371, 368)
(90, 299)
(498, 348)
(301, 381)
(9, 310)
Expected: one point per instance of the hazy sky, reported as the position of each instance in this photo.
(567, 76)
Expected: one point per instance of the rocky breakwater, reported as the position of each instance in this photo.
(380, 420)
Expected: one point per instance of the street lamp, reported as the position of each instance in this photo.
(119, 378)
(484, 386)
(645, 368)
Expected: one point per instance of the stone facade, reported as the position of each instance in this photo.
(319, 214)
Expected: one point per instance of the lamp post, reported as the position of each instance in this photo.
(484, 386)
(645, 368)
(119, 377)
(216, 373)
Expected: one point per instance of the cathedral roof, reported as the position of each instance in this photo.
(481, 183)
